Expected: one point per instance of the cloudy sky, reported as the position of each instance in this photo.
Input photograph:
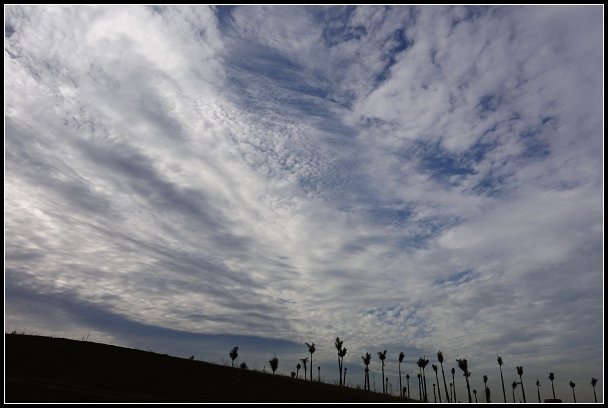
(186, 179)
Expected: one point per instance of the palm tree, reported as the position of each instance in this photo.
(475, 393)
(243, 365)
(437, 379)
(298, 366)
(274, 364)
(440, 359)
(487, 390)
(520, 372)
(341, 354)
(234, 353)
(401, 357)
(382, 357)
(573, 394)
(514, 385)
(338, 345)
(407, 379)
(366, 359)
(311, 349)
(419, 386)
(423, 363)
(538, 389)
(453, 371)
(593, 382)
(464, 366)
(499, 359)
(552, 377)
(305, 362)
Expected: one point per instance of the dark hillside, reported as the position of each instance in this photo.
(44, 369)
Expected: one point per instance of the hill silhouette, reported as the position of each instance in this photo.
(45, 369)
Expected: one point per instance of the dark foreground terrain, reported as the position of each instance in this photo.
(44, 369)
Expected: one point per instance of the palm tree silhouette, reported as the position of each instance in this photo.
(366, 359)
(401, 357)
(514, 385)
(311, 349)
(453, 371)
(573, 394)
(464, 366)
(552, 377)
(440, 359)
(475, 393)
(234, 353)
(593, 382)
(305, 362)
(487, 390)
(420, 386)
(520, 372)
(298, 366)
(423, 363)
(499, 359)
(407, 379)
(243, 365)
(274, 364)
(382, 357)
(538, 389)
(341, 354)
(437, 379)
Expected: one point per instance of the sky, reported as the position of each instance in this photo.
(185, 179)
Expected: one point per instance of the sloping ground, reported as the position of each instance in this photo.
(44, 369)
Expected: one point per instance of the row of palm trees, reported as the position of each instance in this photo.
(422, 363)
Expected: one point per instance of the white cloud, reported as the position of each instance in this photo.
(299, 173)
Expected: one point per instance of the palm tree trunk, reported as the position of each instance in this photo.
(594, 396)
(340, 369)
(310, 367)
(574, 395)
(552, 389)
(435, 394)
(538, 391)
(469, 390)
(438, 387)
(454, 382)
(444, 384)
(383, 385)
(408, 389)
(514, 395)
(522, 388)
(400, 386)
(503, 384)
(420, 388)
(426, 396)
